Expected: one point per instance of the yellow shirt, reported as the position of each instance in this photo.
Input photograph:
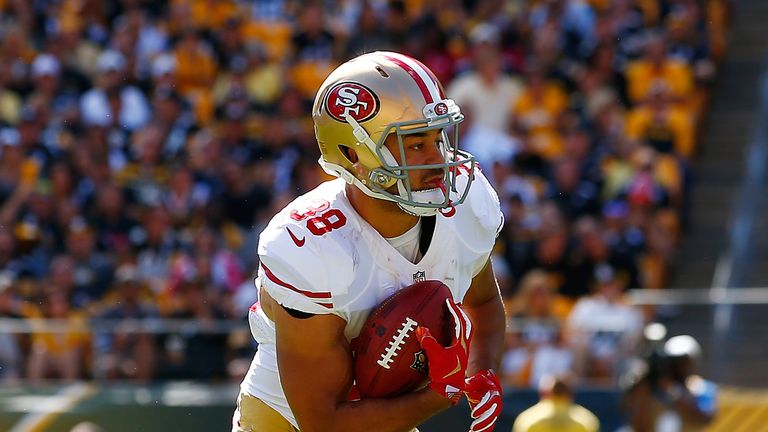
(676, 122)
(556, 416)
(541, 113)
(540, 117)
(208, 14)
(274, 35)
(75, 337)
(642, 76)
(195, 71)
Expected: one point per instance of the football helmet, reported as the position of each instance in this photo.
(372, 96)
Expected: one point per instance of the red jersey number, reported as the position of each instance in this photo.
(315, 208)
(326, 222)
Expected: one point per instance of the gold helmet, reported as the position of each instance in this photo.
(372, 96)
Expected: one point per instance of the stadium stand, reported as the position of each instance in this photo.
(144, 144)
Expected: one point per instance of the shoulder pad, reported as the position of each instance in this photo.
(483, 202)
(302, 265)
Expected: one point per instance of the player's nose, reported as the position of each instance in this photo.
(434, 155)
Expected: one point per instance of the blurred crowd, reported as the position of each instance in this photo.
(144, 145)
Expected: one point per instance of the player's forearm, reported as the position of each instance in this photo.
(399, 414)
(489, 325)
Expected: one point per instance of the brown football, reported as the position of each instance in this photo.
(389, 360)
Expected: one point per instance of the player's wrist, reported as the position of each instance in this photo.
(449, 392)
(439, 399)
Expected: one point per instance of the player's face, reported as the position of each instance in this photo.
(420, 149)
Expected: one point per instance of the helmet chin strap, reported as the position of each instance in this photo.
(417, 211)
(429, 196)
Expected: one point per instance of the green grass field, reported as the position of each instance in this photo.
(118, 408)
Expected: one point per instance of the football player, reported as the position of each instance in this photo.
(408, 205)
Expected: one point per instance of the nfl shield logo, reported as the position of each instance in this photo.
(419, 276)
(420, 363)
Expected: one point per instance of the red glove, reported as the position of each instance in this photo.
(448, 365)
(483, 391)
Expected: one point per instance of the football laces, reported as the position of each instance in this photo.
(396, 344)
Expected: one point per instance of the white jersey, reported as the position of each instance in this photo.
(319, 256)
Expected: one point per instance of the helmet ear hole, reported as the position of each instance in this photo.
(348, 153)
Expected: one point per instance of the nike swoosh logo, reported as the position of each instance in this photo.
(456, 369)
(295, 239)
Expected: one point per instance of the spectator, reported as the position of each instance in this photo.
(163, 71)
(156, 244)
(688, 40)
(574, 195)
(595, 249)
(172, 114)
(195, 64)
(113, 103)
(241, 201)
(657, 68)
(534, 338)
(602, 329)
(664, 393)
(46, 72)
(147, 174)
(487, 92)
(32, 254)
(368, 36)
(11, 160)
(10, 101)
(196, 353)
(666, 127)
(556, 411)
(10, 347)
(60, 354)
(7, 249)
(184, 198)
(209, 262)
(92, 271)
(475, 139)
(112, 221)
(661, 234)
(313, 42)
(552, 249)
(654, 183)
(538, 113)
(123, 353)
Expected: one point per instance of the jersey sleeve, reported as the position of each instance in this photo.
(302, 271)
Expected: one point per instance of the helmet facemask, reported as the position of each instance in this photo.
(425, 202)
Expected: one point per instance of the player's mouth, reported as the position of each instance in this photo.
(435, 181)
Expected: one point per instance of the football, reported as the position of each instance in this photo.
(389, 360)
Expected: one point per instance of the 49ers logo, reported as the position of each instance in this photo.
(351, 99)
